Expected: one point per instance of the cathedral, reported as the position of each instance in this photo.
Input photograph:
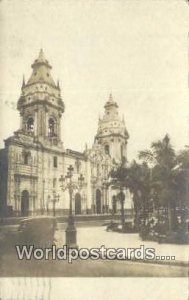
(34, 159)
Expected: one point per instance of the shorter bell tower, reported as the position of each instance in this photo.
(41, 105)
(112, 133)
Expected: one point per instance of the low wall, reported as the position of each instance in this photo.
(78, 218)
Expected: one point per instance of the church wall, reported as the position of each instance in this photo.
(115, 144)
(49, 184)
(21, 176)
(80, 167)
(3, 180)
(51, 171)
(34, 157)
(41, 179)
(89, 192)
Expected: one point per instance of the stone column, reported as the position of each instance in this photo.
(93, 206)
(36, 131)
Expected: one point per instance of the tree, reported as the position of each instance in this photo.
(135, 177)
(163, 160)
(159, 183)
(119, 181)
(182, 182)
(139, 185)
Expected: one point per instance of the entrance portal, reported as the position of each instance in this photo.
(77, 204)
(25, 203)
(98, 201)
(114, 205)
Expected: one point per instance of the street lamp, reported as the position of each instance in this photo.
(68, 184)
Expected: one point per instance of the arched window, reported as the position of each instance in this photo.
(107, 149)
(55, 161)
(30, 125)
(78, 165)
(26, 157)
(51, 127)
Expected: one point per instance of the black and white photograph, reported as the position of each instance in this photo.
(94, 149)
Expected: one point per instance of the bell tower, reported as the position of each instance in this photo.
(40, 105)
(112, 133)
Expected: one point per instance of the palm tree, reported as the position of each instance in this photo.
(182, 182)
(135, 177)
(163, 160)
(160, 180)
(139, 184)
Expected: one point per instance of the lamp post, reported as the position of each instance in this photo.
(68, 184)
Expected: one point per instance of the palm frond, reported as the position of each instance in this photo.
(146, 155)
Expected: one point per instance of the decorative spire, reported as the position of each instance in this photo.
(111, 98)
(41, 60)
(41, 56)
(110, 102)
(41, 71)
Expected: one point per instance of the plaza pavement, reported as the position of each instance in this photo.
(96, 236)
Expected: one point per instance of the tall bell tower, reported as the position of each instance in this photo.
(112, 133)
(41, 105)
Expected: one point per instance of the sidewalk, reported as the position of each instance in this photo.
(64, 218)
(95, 237)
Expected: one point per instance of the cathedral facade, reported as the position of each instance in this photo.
(34, 159)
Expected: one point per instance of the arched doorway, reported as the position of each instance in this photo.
(77, 204)
(107, 149)
(25, 203)
(98, 201)
(114, 205)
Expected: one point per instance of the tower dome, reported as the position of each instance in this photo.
(112, 133)
(40, 86)
(41, 71)
(41, 105)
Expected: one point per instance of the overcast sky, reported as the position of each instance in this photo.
(136, 49)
